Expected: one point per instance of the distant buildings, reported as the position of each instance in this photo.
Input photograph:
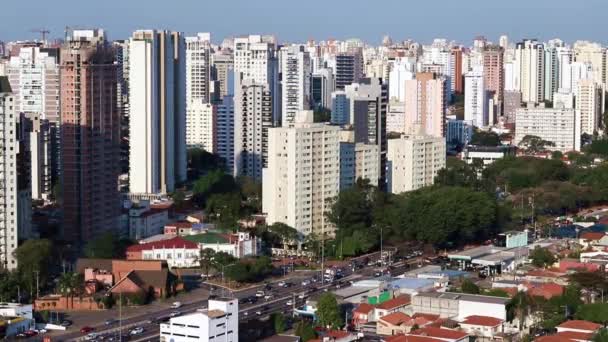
(158, 112)
(202, 126)
(198, 68)
(476, 98)
(426, 99)
(295, 81)
(486, 154)
(529, 70)
(459, 132)
(357, 161)
(413, 162)
(560, 126)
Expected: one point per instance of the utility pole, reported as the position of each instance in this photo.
(120, 317)
(37, 284)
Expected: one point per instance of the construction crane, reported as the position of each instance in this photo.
(43, 32)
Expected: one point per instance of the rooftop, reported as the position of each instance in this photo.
(411, 338)
(580, 325)
(482, 321)
(209, 237)
(363, 308)
(396, 302)
(176, 242)
(396, 318)
(465, 297)
(441, 333)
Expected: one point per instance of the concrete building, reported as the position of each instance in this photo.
(403, 70)
(198, 68)
(486, 154)
(595, 55)
(158, 114)
(223, 71)
(512, 239)
(425, 104)
(590, 102)
(512, 101)
(457, 71)
(299, 187)
(459, 132)
(295, 81)
(225, 132)
(493, 74)
(322, 86)
(349, 68)
(395, 117)
(563, 99)
(177, 252)
(340, 108)
(90, 133)
(201, 126)
(219, 322)
(561, 126)
(476, 98)
(413, 162)
(459, 306)
(357, 161)
(529, 65)
(121, 51)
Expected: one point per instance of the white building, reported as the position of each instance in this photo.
(225, 132)
(395, 117)
(201, 126)
(239, 244)
(157, 125)
(9, 202)
(303, 174)
(560, 126)
(295, 81)
(413, 161)
(529, 70)
(486, 154)
(219, 323)
(198, 68)
(178, 252)
(144, 221)
(357, 161)
(459, 306)
(475, 98)
(590, 101)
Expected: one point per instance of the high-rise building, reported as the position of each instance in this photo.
(295, 81)
(33, 73)
(349, 68)
(9, 196)
(121, 48)
(594, 55)
(36, 133)
(413, 161)
(303, 175)
(551, 72)
(459, 133)
(357, 161)
(590, 102)
(225, 132)
(90, 132)
(223, 71)
(395, 117)
(321, 88)
(512, 101)
(456, 70)
(561, 126)
(493, 72)
(198, 68)
(158, 115)
(565, 57)
(529, 65)
(201, 126)
(476, 98)
(425, 104)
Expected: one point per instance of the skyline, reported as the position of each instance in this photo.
(453, 21)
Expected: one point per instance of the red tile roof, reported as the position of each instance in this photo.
(411, 338)
(580, 325)
(179, 224)
(575, 335)
(553, 338)
(482, 321)
(396, 318)
(363, 309)
(440, 333)
(396, 302)
(546, 290)
(176, 242)
(338, 334)
(592, 236)
(426, 316)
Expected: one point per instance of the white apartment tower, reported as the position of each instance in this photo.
(201, 126)
(157, 112)
(198, 68)
(295, 81)
(529, 62)
(413, 161)
(476, 98)
(9, 202)
(589, 101)
(303, 175)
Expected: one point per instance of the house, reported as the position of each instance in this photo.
(335, 336)
(545, 290)
(482, 326)
(145, 284)
(574, 265)
(411, 338)
(393, 324)
(177, 252)
(578, 326)
(588, 239)
(397, 304)
(364, 313)
(447, 335)
(567, 336)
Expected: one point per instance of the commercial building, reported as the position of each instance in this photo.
(476, 98)
(198, 68)
(340, 108)
(223, 71)
(299, 186)
(413, 161)
(219, 322)
(321, 88)
(425, 104)
(90, 133)
(561, 126)
(158, 115)
(295, 81)
(459, 133)
(512, 239)
(201, 126)
(349, 68)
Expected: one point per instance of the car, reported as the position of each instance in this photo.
(289, 303)
(41, 331)
(176, 305)
(267, 287)
(305, 282)
(136, 331)
(258, 312)
(245, 313)
(377, 274)
(86, 329)
(260, 293)
(90, 337)
(66, 323)
(30, 333)
(281, 283)
(252, 300)
(110, 321)
(302, 296)
(268, 296)
(175, 314)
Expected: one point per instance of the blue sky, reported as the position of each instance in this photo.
(295, 20)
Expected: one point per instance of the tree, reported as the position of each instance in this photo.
(542, 257)
(601, 335)
(496, 293)
(11, 286)
(225, 209)
(595, 312)
(305, 331)
(106, 246)
(178, 197)
(205, 259)
(69, 283)
(328, 312)
(201, 162)
(252, 192)
(457, 173)
(482, 138)
(468, 286)
(33, 260)
(214, 182)
(519, 307)
(279, 323)
(557, 155)
(284, 232)
(534, 144)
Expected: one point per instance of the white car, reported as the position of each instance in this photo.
(90, 337)
(137, 331)
(259, 294)
(305, 282)
(268, 297)
(176, 305)
(302, 296)
(289, 303)
(281, 283)
(175, 313)
(259, 312)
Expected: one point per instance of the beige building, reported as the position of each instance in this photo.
(590, 103)
(595, 55)
(413, 161)
(560, 126)
(303, 174)
(425, 105)
(357, 161)
(201, 123)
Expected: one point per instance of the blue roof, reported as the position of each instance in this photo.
(411, 283)
(450, 273)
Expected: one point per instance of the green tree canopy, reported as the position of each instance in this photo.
(328, 312)
(457, 173)
(483, 138)
(34, 256)
(305, 331)
(106, 246)
(468, 286)
(534, 144)
(595, 312)
(542, 257)
(278, 322)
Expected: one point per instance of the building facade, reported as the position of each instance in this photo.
(201, 126)
(561, 126)
(425, 104)
(476, 98)
(295, 81)
(198, 68)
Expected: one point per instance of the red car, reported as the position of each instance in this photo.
(86, 330)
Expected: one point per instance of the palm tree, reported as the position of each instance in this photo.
(69, 283)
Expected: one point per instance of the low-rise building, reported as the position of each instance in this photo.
(397, 304)
(447, 335)
(393, 324)
(364, 313)
(177, 252)
(219, 322)
(482, 326)
(142, 220)
(486, 154)
(458, 306)
(239, 245)
(580, 326)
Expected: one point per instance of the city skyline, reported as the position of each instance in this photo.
(341, 19)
